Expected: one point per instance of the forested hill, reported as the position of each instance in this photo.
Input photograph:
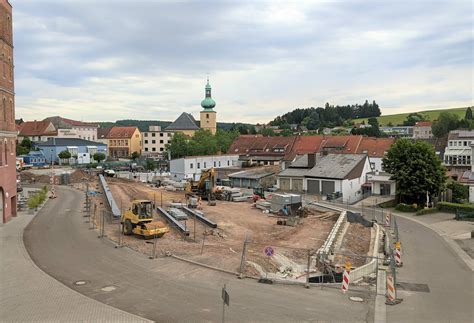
(143, 124)
(329, 116)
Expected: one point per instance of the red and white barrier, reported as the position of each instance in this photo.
(391, 294)
(345, 281)
(398, 257)
(387, 219)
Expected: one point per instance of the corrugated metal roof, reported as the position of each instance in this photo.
(68, 142)
(336, 166)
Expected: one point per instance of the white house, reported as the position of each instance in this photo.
(68, 128)
(458, 151)
(190, 167)
(327, 174)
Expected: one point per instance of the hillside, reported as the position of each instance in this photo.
(397, 119)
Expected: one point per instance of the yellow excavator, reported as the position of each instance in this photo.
(204, 188)
(139, 220)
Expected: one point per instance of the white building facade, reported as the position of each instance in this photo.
(458, 152)
(154, 141)
(191, 167)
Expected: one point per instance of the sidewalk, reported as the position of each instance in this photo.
(27, 294)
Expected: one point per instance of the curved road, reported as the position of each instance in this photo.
(165, 289)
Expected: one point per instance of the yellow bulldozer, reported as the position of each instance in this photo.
(139, 220)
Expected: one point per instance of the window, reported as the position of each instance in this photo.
(4, 70)
(4, 105)
(1, 153)
(161, 141)
(219, 164)
(228, 163)
(153, 134)
(146, 148)
(161, 149)
(191, 165)
(205, 165)
(146, 134)
(153, 141)
(372, 165)
(153, 149)
(161, 134)
(214, 164)
(136, 136)
(198, 165)
(465, 143)
(207, 115)
(146, 141)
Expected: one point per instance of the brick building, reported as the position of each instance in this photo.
(8, 195)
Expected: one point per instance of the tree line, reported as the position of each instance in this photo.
(328, 117)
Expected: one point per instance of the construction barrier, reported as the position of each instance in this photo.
(391, 293)
(387, 219)
(398, 254)
(345, 277)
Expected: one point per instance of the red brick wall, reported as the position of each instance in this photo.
(7, 116)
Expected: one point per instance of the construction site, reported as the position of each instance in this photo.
(233, 232)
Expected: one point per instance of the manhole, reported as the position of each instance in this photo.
(108, 288)
(413, 287)
(356, 299)
(80, 282)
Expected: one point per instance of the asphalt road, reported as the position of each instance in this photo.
(441, 284)
(165, 289)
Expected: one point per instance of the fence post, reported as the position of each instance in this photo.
(242, 258)
(154, 245)
(307, 269)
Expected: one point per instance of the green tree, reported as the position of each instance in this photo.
(286, 133)
(446, 122)
(135, 155)
(225, 139)
(150, 164)
(416, 169)
(178, 146)
(468, 115)
(267, 132)
(413, 118)
(65, 154)
(460, 192)
(98, 157)
(24, 147)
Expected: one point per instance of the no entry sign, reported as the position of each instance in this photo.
(268, 251)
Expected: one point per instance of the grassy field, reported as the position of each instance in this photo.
(397, 119)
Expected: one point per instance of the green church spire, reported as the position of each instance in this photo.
(208, 103)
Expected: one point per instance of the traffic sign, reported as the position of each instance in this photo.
(268, 251)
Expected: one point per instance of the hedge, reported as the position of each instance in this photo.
(452, 207)
(427, 211)
(402, 207)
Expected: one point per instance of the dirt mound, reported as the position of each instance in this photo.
(27, 177)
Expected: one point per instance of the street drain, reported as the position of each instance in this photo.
(80, 283)
(108, 288)
(413, 287)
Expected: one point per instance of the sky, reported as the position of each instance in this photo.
(110, 60)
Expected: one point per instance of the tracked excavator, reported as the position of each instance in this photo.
(138, 220)
(204, 188)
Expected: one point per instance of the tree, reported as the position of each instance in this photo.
(98, 157)
(446, 122)
(460, 192)
(65, 154)
(135, 155)
(24, 147)
(468, 115)
(178, 146)
(416, 169)
(267, 132)
(286, 133)
(413, 118)
(150, 164)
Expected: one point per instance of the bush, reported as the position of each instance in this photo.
(36, 200)
(452, 207)
(427, 211)
(402, 207)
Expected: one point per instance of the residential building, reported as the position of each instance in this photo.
(8, 130)
(82, 151)
(154, 141)
(124, 141)
(191, 167)
(398, 131)
(102, 135)
(379, 183)
(36, 130)
(375, 149)
(259, 150)
(254, 177)
(185, 124)
(68, 128)
(458, 152)
(467, 178)
(325, 175)
(208, 117)
(422, 130)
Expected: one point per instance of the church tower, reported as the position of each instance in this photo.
(208, 115)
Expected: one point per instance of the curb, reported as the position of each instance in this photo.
(452, 244)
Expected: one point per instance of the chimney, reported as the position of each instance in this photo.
(311, 160)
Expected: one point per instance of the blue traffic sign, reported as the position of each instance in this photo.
(268, 251)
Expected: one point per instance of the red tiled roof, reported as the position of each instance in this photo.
(375, 147)
(102, 133)
(36, 128)
(423, 124)
(121, 132)
(259, 145)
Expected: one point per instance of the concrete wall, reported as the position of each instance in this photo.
(191, 167)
